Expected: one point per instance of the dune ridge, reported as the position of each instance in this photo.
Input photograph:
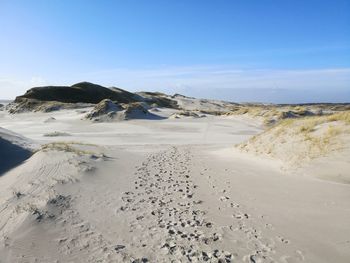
(158, 180)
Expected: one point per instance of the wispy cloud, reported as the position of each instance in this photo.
(224, 77)
(206, 81)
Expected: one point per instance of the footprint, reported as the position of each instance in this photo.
(224, 198)
(283, 240)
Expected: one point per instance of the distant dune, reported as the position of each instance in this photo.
(105, 175)
(80, 92)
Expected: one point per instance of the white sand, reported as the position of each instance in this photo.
(170, 190)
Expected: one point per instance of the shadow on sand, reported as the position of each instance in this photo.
(11, 155)
(148, 116)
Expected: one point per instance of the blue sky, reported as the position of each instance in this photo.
(271, 51)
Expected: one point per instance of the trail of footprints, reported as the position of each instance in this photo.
(244, 227)
(169, 224)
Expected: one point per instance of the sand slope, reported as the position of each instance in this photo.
(171, 190)
(35, 217)
(317, 146)
(14, 149)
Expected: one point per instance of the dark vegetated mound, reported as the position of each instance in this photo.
(105, 107)
(51, 98)
(185, 113)
(81, 92)
(107, 110)
(138, 110)
(177, 95)
(24, 105)
(158, 99)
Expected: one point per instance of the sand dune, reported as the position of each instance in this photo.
(307, 142)
(173, 189)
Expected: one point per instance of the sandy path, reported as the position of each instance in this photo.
(176, 204)
(195, 200)
(168, 221)
(173, 211)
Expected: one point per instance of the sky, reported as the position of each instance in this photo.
(290, 51)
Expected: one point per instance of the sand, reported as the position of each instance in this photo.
(167, 190)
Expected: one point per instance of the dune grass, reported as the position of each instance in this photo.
(68, 147)
(272, 114)
(341, 116)
(296, 140)
(56, 134)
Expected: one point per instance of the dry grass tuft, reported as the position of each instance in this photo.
(341, 116)
(67, 147)
(296, 140)
(56, 134)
